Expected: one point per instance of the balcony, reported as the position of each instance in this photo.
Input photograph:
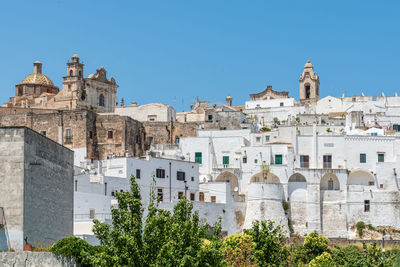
(68, 140)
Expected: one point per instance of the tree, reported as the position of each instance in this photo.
(238, 250)
(325, 259)
(276, 121)
(265, 169)
(270, 248)
(313, 246)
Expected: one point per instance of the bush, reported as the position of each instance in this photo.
(325, 259)
(285, 205)
(265, 129)
(313, 246)
(360, 228)
(238, 250)
(370, 227)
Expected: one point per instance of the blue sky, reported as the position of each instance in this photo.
(174, 51)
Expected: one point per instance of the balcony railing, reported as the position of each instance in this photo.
(68, 140)
(327, 165)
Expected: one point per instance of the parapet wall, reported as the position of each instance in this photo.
(34, 259)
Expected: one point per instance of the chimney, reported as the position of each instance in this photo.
(37, 67)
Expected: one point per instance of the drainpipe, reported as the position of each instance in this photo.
(170, 194)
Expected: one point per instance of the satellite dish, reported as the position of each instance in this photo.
(236, 189)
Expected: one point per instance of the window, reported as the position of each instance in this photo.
(192, 179)
(180, 195)
(110, 134)
(150, 140)
(225, 161)
(71, 73)
(68, 136)
(90, 134)
(137, 173)
(278, 159)
(160, 195)
(76, 185)
(244, 160)
(201, 196)
(381, 157)
(308, 92)
(258, 139)
(105, 189)
(267, 138)
(366, 206)
(327, 161)
(101, 100)
(177, 140)
(213, 199)
(396, 127)
(160, 173)
(43, 133)
(91, 213)
(330, 184)
(374, 134)
(281, 104)
(255, 160)
(371, 182)
(198, 157)
(192, 196)
(210, 117)
(80, 73)
(304, 161)
(180, 176)
(363, 158)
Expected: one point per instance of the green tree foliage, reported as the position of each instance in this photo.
(270, 248)
(313, 246)
(238, 250)
(325, 259)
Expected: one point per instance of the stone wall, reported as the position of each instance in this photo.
(166, 133)
(34, 259)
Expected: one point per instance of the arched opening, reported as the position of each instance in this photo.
(230, 178)
(360, 177)
(71, 73)
(329, 182)
(261, 177)
(101, 100)
(308, 91)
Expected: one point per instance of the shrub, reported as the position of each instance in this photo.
(325, 259)
(285, 205)
(313, 246)
(371, 227)
(265, 129)
(360, 228)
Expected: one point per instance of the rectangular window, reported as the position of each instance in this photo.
(91, 213)
(363, 158)
(381, 157)
(225, 161)
(244, 160)
(278, 159)
(68, 136)
(137, 173)
(76, 185)
(198, 157)
(258, 139)
(180, 176)
(366, 206)
(304, 161)
(180, 195)
(90, 134)
(160, 195)
(210, 117)
(110, 134)
(192, 179)
(327, 161)
(267, 138)
(281, 104)
(177, 140)
(192, 196)
(201, 196)
(160, 173)
(213, 199)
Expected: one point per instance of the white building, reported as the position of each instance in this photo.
(148, 112)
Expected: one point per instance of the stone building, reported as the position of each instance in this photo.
(96, 92)
(91, 135)
(36, 193)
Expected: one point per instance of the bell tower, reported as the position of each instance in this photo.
(309, 84)
(75, 68)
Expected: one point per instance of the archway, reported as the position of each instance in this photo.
(329, 182)
(360, 177)
(230, 178)
(261, 177)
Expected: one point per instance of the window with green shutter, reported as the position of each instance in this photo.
(225, 160)
(198, 157)
(278, 159)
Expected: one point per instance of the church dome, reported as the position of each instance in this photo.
(37, 78)
(308, 64)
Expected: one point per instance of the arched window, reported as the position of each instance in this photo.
(71, 73)
(308, 91)
(101, 100)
